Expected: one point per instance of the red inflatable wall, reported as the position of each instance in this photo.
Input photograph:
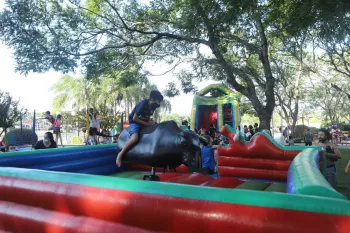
(260, 159)
(33, 206)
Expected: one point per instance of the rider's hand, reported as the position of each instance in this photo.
(150, 123)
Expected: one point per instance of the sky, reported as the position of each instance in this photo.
(34, 92)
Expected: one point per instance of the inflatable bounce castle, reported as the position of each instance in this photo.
(215, 104)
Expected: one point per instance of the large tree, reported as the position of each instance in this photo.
(102, 36)
(292, 65)
(328, 21)
(334, 104)
(10, 112)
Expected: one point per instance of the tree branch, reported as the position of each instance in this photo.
(160, 34)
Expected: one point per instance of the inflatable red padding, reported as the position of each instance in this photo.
(143, 212)
(280, 165)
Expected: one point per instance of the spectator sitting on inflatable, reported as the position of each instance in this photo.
(139, 118)
(46, 143)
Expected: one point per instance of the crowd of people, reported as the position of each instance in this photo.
(249, 131)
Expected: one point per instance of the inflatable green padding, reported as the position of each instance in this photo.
(307, 177)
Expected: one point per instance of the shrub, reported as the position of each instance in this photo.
(344, 127)
(14, 137)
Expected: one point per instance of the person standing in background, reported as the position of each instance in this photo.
(57, 129)
(256, 128)
(332, 155)
(308, 138)
(94, 124)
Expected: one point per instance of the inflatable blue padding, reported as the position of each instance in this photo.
(102, 170)
(290, 181)
(54, 156)
(75, 165)
(317, 160)
(97, 160)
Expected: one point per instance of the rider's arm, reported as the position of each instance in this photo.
(137, 120)
(347, 168)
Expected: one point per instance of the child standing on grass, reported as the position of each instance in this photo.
(57, 129)
(139, 118)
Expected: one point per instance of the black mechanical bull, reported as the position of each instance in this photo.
(162, 145)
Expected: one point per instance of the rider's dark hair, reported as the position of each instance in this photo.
(156, 95)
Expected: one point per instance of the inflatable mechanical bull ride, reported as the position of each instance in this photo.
(162, 145)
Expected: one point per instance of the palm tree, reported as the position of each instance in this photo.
(104, 95)
(134, 94)
(70, 90)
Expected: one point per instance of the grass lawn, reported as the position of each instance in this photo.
(343, 180)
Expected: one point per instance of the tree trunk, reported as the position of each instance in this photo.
(265, 120)
(5, 131)
(78, 128)
(297, 97)
(248, 90)
(295, 116)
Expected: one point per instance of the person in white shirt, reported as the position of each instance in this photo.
(94, 124)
